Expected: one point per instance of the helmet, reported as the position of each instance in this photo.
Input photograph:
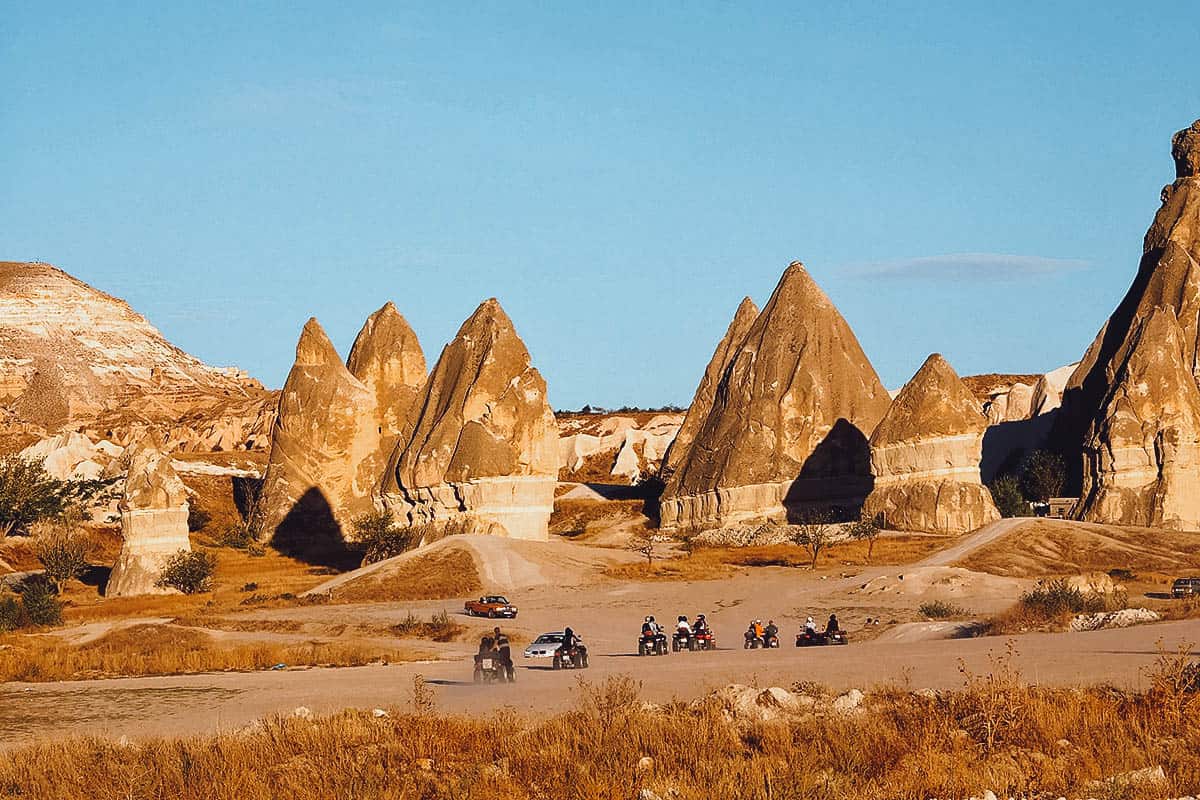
(651, 618)
(682, 618)
(810, 619)
(699, 616)
(758, 622)
(648, 619)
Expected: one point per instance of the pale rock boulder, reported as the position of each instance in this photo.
(1131, 409)
(1048, 391)
(1012, 405)
(626, 449)
(789, 421)
(483, 449)
(706, 392)
(334, 431)
(69, 455)
(925, 456)
(154, 524)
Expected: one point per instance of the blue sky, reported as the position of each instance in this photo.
(973, 179)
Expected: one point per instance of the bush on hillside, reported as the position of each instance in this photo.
(380, 537)
(190, 573)
(1006, 494)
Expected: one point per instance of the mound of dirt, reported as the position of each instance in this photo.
(463, 565)
(1044, 547)
(945, 583)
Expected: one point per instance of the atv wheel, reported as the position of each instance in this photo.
(675, 645)
(641, 648)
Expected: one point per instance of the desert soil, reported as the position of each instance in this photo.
(562, 583)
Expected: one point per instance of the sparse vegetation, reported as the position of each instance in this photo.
(940, 609)
(168, 650)
(380, 537)
(190, 573)
(644, 542)
(1006, 494)
(440, 628)
(198, 517)
(1051, 605)
(40, 606)
(237, 535)
(62, 549)
(814, 532)
(995, 733)
(866, 529)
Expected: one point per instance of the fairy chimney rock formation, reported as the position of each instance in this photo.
(788, 424)
(706, 392)
(483, 451)
(925, 456)
(154, 524)
(1130, 408)
(333, 431)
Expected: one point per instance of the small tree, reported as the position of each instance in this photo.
(867, 528)
(643, 542)
(813, 532)
(40, 605)
(28, 493)
(380, 537)
(1006, 494)
(62, 550)
(190, 573)
(1043, 475)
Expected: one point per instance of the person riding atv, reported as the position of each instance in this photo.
(652, 640)
(703, 635)
(488, 668)
(683, 638)
(571, 653)
(771, 634)
(504, 653)
(754, 635)
(832, 625)
(701, 625)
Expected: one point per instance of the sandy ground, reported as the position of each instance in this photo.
(560, 584)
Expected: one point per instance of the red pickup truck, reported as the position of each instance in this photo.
(492, 605)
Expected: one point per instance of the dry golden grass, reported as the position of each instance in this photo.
(709, 563)
(572, 517)
(170, 650)
(446, 573)
(993, 734)
(1043, 547)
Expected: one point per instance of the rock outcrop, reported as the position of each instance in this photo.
(925, 456)
(483, 451)
(706, 392)
(72, 356)
(789, 419)
(332, 434)
(1131, 408)
(154, 524)
(621, 448)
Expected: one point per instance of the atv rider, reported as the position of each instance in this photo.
(810, 627)
(701, 625)
(505, 655)
(682, 628)
(771, 633)
(487, 649)
(832, 625)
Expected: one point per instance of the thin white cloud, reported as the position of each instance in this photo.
(966, 266)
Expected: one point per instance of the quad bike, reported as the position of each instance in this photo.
(705, 641)
(770, 640)
(572, 658)
(681, 640)
(654, 645)
(488, 669)
(753, 641)
(819, 639)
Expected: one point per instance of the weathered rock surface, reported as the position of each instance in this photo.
(484, 445)
(154, 524)
(1132, 407)
(706, 392)
(327, 448)
(72, 356)
(789, 422)
(613, 449)
(925, 456)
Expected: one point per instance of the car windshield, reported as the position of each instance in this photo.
(549, 638)
(496, 599)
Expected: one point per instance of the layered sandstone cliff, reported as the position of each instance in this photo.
(483, 449)
(154, 524)
(925, 456)
(1129, 409)
(706, 392)
(789, 421)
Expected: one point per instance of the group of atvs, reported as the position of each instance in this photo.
(686, 636)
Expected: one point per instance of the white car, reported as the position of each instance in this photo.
(545, 645)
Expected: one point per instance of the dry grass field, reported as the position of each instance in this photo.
(995, 733)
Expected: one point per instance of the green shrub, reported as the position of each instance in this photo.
(28, 493)
(190, 573)
(1043, 475)
(1006, 493)
(940, 609)
(198, 518)
(1056, 598)
(62, 550)
(380, 537)
(238, 536)
(40, 603)
(12, 614)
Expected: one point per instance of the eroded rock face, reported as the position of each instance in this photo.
(925, 455)
(789, 419)
(706, 392)
(1130, 407)
(388, 359)
(154, 524)
(71, 355)
(483, 450)
(325, 453)
(613, 449)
